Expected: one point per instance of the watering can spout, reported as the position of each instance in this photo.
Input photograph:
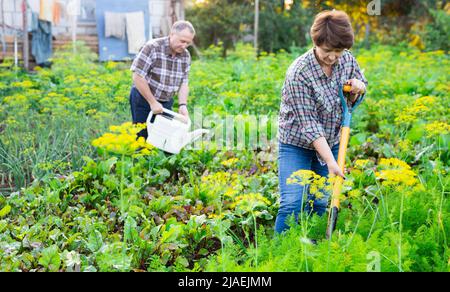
(169, 131)
(193, 136)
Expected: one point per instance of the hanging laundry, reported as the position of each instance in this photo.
(33, 21)
(115, 25)
(135, 25)
(34, 5)
(63, 11)
(57, 10)
(46, 10)
(30, 25)
(41, 42)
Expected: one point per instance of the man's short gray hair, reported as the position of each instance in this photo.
(181, 25)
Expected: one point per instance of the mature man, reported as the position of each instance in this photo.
(160, 70)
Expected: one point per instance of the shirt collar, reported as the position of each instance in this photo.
(167, 46)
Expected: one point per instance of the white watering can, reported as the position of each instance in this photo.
(168, 131)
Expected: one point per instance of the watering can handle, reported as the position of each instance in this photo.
(177, 116)
(172, 115)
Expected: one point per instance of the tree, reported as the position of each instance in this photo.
(282, 28)
(422, 23)
(220, 21)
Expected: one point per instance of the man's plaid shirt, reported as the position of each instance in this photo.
(164, 73)
(310, 105)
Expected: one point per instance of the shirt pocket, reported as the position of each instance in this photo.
(286, 113)
(324, 102)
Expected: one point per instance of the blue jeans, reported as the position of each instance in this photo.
(290, 159)
(140, 109)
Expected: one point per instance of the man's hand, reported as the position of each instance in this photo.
(184, 111)
(156, 107)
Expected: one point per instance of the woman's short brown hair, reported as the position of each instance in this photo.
(333, 29)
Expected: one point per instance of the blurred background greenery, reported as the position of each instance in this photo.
(284, 24)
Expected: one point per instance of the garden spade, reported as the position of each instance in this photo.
(345, 135)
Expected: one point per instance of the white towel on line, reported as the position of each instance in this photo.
(115, 25)
(135, 26)
(46, 10)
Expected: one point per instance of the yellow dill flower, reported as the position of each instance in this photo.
(356, 172)
(230, 192)
(17, 100)
(405, 118)
(221, 183)
(395, 172)
(418, 188)
(362, 163)
(111, 65)
(393, 162)
(317, 184)
(302, 177)
(425, 101)
(321, 182)
(145, 151)
(249, 202)
(420, 107)
(405, 145)
(313, 189)
(398, 176)
(122, 140)
(437, 128)
(220, 177)
(91, 112)
(229, 162)
(10, 121)
(354, 194)
(23, 84)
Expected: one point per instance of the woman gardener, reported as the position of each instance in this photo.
(311, 114)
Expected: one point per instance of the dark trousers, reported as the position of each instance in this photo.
(140, 109)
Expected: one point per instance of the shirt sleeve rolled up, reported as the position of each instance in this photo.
(143, 61)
